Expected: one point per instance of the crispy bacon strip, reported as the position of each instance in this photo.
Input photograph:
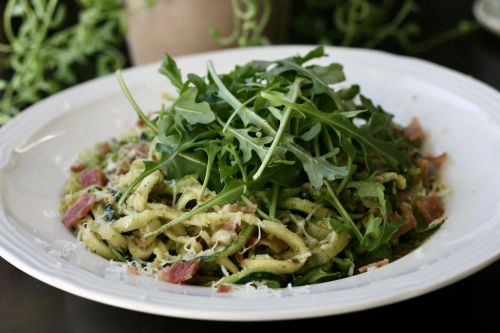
(409, 218)
(180, 272)
(104, 148)
(373, 265)
(414, 131)
(91, 177)
(429, 166)
(430, 207)
(79, 210)
(77, 167)
(224, 288)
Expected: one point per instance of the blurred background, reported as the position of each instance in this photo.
(49, 45)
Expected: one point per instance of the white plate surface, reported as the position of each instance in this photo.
(461, 117)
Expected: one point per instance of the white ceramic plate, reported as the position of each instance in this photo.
(461, 117)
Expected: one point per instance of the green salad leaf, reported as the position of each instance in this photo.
(275, 131)
(170, 69)
(194, 113)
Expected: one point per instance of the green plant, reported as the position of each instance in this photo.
(45, 56)
(248, 23)
(365, 23)
(369, 23)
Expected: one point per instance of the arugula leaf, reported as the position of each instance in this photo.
(279, 174)
(315, 53)
(199, 82)
(169, 134)
(378, 230)
(332, 198)
(228, 167)
(311, 132)
(371, 190)
(372, 233)
(378, 233)
(330, 74)
(211, 151)
(292, 95)
(317, 168)
(246, 115)
(248, 143)
(270, 130)
(319, 86)
(338, 226)
(349, 93)
(390, 151)
(134, 104)
(171, 71)
(193, 112)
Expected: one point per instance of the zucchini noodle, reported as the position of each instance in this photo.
(221, 235)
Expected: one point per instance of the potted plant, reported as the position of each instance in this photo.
(189, 26)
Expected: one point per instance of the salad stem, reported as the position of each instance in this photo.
(134, 104)
(336, 203)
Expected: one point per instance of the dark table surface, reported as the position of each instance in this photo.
(28, 305)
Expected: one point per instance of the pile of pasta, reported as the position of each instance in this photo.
(226, 244)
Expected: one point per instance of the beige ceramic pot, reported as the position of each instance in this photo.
(183, 26)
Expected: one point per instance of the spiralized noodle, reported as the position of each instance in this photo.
(158, 200)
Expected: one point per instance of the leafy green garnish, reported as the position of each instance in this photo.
(134, 104)
(194, 113)
(271, 130)
(171, 71)
(371, 189)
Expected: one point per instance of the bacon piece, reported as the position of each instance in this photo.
(134, 270)
(409, 218)
(239, 257)
(435, 163)
(180, 272)
(437, 160)
(77, 167)
(373, 265)
(91, 177)
(430, 207)
(128, 153)
(104, 148)
(141, 122)
(405, 196)
(414, 131)
(429, 166)
(224, 288)
(79, 210)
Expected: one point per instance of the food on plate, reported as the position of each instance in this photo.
(276, 173)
